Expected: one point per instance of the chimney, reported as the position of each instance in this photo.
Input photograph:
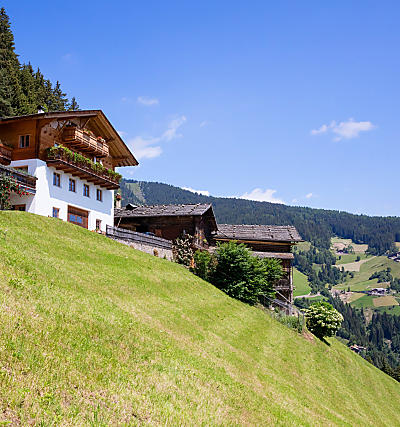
(118, 201)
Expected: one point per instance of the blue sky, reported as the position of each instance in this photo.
(293, 101)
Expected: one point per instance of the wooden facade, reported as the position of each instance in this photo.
(266, 241)
(86, 132)
(170, 221)
(81, 146)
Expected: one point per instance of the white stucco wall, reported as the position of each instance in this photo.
(48, 195)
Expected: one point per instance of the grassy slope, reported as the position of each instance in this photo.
(300, 281)
(93, 332)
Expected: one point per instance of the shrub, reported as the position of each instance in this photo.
(240, 274)
(182, 249)
(323, 320)
(203, 264)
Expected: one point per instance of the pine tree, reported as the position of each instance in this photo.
(22, 90)
(73, 106)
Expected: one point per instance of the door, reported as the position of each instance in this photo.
(78, 216)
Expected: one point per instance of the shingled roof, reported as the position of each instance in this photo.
(266, 233)
(163, 210)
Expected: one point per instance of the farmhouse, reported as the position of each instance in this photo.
(377, 291)
(65, 163)
(266, 241)
(170, 221)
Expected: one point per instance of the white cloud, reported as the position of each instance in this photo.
(144, 149)
(202, 192)
(344, 130)
(322, 129)
(309, 195)
(145, 100)
(174, 125)
(125, 99)
(262, 196)
(204, 123)
(149, 147)
(121, 133)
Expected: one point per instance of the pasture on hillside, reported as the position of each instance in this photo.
(93, 332)
(300, 281)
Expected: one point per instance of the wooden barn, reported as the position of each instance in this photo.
(170, 221)
(266, 241)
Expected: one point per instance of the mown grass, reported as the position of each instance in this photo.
(300, 281)
(347, 258)
(95, 333)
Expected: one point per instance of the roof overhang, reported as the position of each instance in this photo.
(119, 151)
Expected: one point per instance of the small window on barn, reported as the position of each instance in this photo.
(24, 141)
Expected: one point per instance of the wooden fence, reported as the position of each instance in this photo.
(134, 236)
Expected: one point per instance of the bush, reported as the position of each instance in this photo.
(203, 264)
(182, 249)
(323, 320)
(241, 275)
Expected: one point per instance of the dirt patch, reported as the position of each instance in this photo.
(385, 301)
(354, 266)
(350, 296)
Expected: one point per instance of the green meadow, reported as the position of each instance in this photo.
(95, 333)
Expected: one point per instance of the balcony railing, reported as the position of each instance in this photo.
(5, 154)
(77, 165)
(28, 182)
(83, 141)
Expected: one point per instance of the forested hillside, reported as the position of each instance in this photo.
(314, 225)
(23, 90)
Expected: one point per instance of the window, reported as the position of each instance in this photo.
(56, 213)
(57, 179)
(22, 168)
(98, 224)
(99, 195)
(19, 207)
(78, 216)
(86, 191)
(24, 141)
(72, 185)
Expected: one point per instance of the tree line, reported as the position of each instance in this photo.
(317, 226)
(24, 90)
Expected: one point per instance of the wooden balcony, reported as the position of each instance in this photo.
(283, 284)
(82, 141)
(5, 154)
(58, 158)
(26, 181)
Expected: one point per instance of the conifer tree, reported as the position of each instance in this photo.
(22, 90)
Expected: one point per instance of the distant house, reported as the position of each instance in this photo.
(377, 291)
(357, 348)
(65, 163)
(170, 221)
(267, 241)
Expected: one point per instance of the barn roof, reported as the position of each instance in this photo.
(279, 255)
(164, 210)
(265, 233)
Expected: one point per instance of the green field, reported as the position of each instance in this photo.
(300, 282)
(346, 258)
(363, 302)
(95, 333)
